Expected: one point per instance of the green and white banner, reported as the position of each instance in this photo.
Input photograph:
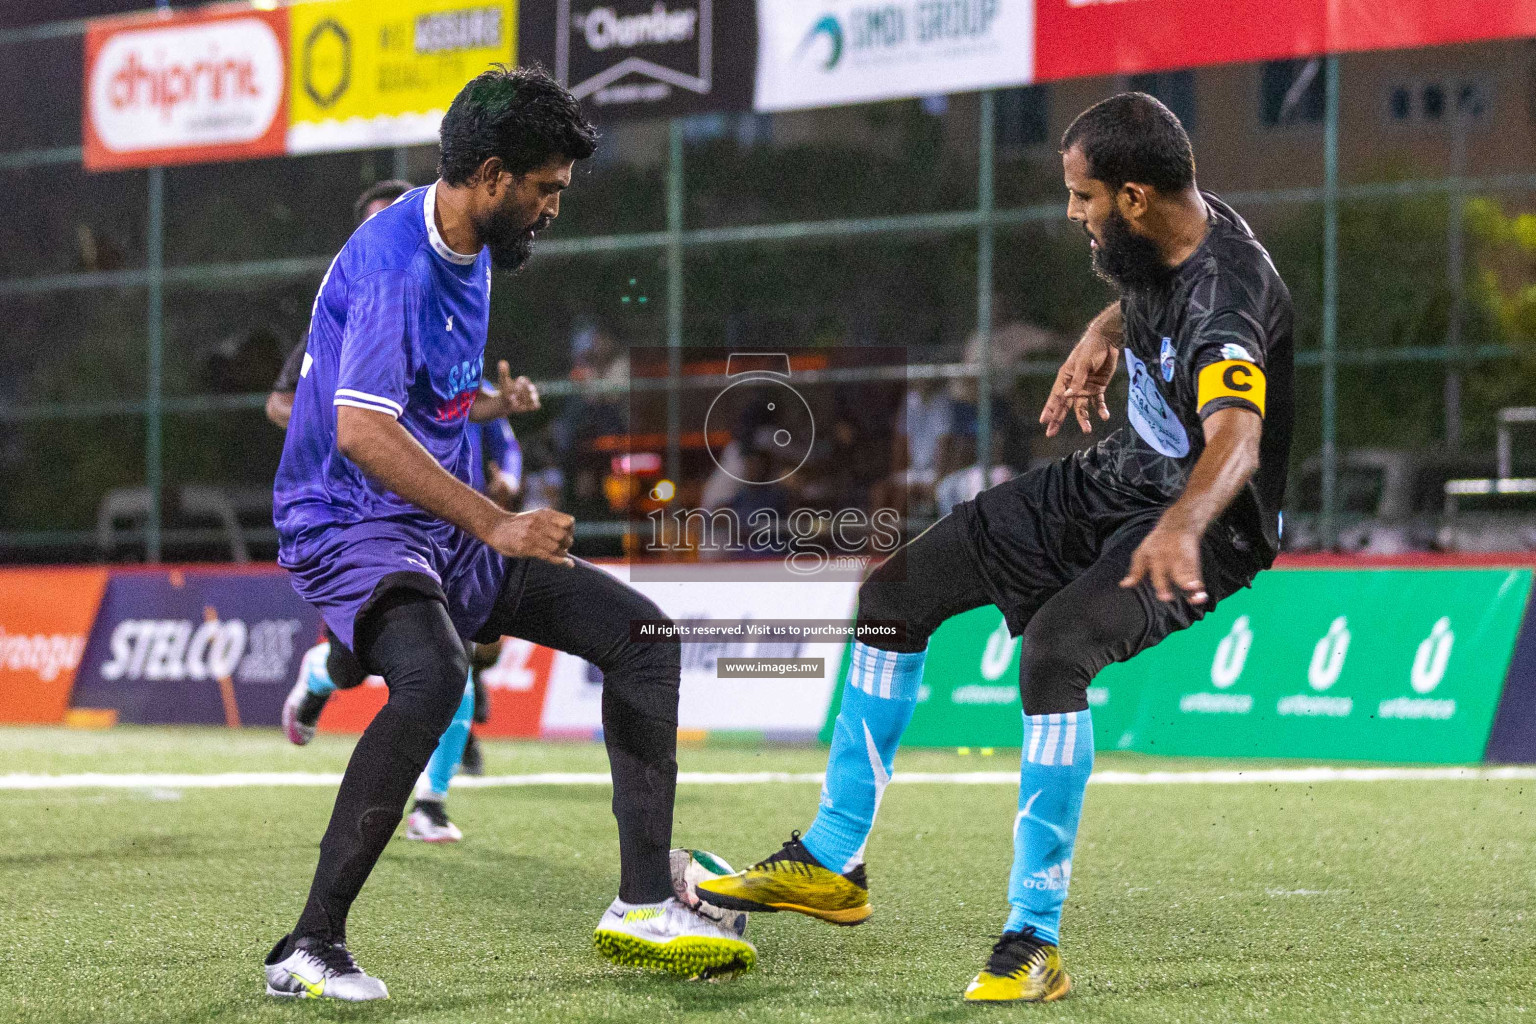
(1381, 665)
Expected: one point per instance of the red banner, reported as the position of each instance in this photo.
(1081, 38)
(45, 619)
(185, 88)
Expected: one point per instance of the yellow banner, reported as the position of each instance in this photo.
(370, 73)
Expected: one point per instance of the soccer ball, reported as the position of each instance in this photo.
(690, 867)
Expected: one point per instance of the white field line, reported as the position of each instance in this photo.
(1265, 776)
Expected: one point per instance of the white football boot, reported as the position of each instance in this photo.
(428, 823)
(670, 938)
(316, 969)
(301, 710)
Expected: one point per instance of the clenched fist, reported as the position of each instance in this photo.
(543, 533)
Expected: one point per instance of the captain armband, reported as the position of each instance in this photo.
(1231, 378)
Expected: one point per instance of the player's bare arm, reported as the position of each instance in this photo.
(512, 397)
(385, 451)
(279, 408)
(1170, 555)
(1085, 375)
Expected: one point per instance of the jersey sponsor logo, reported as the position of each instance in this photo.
(463, 384)
(1232, 350)
(1232, 378)
(1168, 359)
(1150, 413)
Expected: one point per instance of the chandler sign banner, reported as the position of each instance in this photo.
(185, 88)
(645, 58)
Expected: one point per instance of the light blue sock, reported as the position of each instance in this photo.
(317, 678)
(450, 750)
(878, 699)
(1058, 757)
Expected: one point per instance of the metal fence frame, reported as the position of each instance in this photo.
(984, 220)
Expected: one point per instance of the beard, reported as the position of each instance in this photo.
(510, 240)
(1126, 259)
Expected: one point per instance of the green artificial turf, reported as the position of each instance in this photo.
(1341, 901)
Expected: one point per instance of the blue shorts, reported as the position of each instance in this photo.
(346, 568)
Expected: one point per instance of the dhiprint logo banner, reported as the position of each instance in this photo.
(185, 89)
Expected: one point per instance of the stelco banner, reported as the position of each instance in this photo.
(818, 53)
(185, 88)
(1390, 665)
(203, 647)
(368, 74)
(645, 58)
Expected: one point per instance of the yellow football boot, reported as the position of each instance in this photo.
(793, 880)
(1020, 970)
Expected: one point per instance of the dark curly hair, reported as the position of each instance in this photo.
(1133, 137)
(521, 114)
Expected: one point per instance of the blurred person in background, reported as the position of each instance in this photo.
(376, 197)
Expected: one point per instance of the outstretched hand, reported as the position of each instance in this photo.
(1080, 386)
(519, 394)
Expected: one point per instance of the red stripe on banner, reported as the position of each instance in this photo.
(1081, 38)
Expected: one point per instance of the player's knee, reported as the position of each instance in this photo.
(883, 599)
(1053, 672)
(654, 656)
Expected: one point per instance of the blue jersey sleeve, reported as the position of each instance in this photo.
(378, 359)
(502, 449)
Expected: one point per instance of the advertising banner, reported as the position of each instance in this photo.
(781, 706)
(184, 88)
(645, 58)
(1396, 24)
(45, 618)
(820, 53)
(367, 74)
(1389, 665)
(195, 646)
(1079, 38)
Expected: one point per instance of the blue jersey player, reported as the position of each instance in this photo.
(383, 532)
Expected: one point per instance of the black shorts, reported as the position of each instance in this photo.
(1049, 549)
(1033, 535)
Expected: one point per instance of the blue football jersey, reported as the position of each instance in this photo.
(399, 327)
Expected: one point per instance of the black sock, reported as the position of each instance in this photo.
(379, 778)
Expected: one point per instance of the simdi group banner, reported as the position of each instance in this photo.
(1389, 665)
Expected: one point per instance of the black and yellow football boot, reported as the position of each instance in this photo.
(1021, 969)
(793, 880)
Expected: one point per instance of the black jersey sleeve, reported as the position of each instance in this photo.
(1228, 363)
(288, 377)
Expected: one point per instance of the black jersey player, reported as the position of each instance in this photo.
(1093, 558)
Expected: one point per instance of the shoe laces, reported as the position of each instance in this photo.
(792, 856)
(334, 955)
(1013, 951)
